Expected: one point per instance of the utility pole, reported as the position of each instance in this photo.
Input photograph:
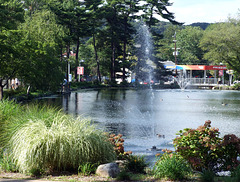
(175, 53)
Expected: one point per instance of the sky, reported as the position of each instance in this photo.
(210, 11)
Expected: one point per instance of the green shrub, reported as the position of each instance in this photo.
(136, 164)
(86, 169)
(207, 176)
(205, 150)
(61, 144)
(36, 172)
(15, 92)
(236, 174)
(6, 163)
(171, 166)
(236, 86)
(124, 176)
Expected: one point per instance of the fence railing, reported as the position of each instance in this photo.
(203, 81)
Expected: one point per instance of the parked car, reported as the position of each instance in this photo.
(236, 81)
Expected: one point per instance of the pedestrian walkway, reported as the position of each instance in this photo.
(22, 180)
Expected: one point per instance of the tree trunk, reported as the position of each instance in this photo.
(96, 58)
(113, 59)
(77, 61)
(113, 63)
(1, 89)
(124, 60)
(124, 49)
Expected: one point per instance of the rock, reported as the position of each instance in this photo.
(108, 170)
(121, 164)
(154, 148)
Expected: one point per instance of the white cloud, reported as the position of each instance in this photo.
(190, 11)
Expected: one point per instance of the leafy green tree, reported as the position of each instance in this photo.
(40, 52)
(31, 6)
(221, 44)
(165, 45)
(188, 40)
(11, 15)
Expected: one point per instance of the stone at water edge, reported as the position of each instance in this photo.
(108, 170)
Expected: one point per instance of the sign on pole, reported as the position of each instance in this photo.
(80, 70)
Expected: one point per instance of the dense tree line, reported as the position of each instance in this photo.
(202, 43)
(39, 37)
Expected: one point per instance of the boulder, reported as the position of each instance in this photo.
(108, 170)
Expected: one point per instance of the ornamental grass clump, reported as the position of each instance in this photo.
(13, 116)
(62, 144)
(9, 111)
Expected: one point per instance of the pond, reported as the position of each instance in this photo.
(140, 115)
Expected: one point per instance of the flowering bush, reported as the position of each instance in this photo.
(205, 150)
(118, 143)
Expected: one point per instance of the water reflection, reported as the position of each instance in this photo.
(142, 114)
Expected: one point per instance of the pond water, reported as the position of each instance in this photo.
(142, 114)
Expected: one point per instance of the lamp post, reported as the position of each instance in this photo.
(68, 72)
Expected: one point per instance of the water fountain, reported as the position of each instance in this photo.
(182, 79)
(144, 47)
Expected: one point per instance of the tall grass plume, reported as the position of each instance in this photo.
(62, 144)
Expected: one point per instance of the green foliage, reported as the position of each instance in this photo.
(165, 50)
(13, 117)
(236, 174)
(221, 43)
(41, 36)
(124, 176)
(6, 163)
(41, 138)
(61, 144)
(136, 164)
(77, 85)
(36, 172)
(171, 166)
(86, 169)
(236, 86)
(15, 92)
(207, 176)
(205, 150)
(188, 40)
(9, 112)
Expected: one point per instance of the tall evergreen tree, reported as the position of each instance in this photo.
(95, 17)
(153, 9)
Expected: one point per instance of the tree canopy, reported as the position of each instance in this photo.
(11, 15)
(36, 35)
(221, 43)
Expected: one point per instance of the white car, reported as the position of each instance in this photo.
(236, 81)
